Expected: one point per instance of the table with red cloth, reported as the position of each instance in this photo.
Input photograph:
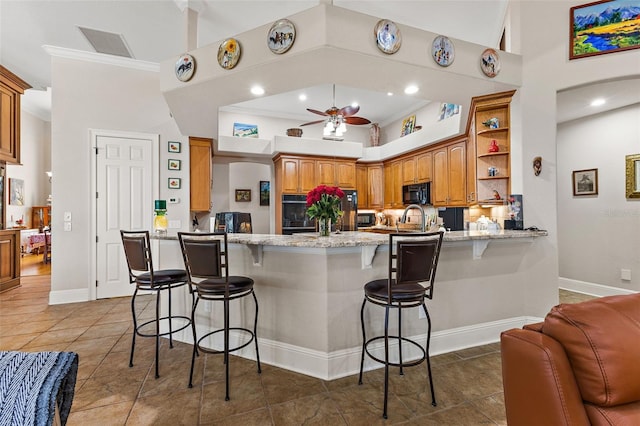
(36, 241)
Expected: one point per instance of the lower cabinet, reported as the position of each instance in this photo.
(9, 259)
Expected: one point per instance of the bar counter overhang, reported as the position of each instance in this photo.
(310, 291)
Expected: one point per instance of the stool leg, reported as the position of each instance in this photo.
(400, 338)
(433, 394)
(170, 329)
(226, 347)
(364, 340)
(135, 325)
(157, 333)
(386, 360)
(255, 332)
(193, 319)
(195, 340)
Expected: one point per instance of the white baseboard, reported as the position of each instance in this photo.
(591, 289)
(68, 296)
(337, 364)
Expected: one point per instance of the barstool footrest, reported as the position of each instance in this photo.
(173, 331)
(237, 348)
(411, 363)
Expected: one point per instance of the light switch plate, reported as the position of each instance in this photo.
(67, 216)
(67, 226)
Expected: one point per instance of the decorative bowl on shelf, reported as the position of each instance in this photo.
(294, 132)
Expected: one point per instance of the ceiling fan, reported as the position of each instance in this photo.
(337, 119)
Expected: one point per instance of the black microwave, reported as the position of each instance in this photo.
(417, 194)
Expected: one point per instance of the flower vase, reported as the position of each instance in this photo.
(324, 226)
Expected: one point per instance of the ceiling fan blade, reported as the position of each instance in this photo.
(312, 122)
(348, 110)
(315, 111)
(356, 120)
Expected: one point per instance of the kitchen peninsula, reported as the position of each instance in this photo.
(310, 291)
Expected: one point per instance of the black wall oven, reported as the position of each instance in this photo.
(294, 215)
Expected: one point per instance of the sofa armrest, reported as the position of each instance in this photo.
(539, 386)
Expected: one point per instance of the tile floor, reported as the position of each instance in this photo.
(468, 382)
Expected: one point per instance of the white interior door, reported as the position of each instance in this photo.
(125, 176)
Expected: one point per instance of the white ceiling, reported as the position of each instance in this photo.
(155, 31)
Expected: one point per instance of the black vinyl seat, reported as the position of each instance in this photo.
(206, 259)
(413, 260)
(137, 251)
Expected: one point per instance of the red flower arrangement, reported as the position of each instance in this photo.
(324, 202)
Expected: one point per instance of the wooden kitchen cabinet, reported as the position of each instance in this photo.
(296, 175)
(9, 259)
(333, 172)
(448, 188)
(200, 173)
(11, 88)
(393, 185)
(417, 169)
(369, 184)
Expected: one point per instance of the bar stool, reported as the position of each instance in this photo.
(137, 250)
(413, 260)
(206, 258)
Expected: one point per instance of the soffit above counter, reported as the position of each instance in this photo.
(333, 45)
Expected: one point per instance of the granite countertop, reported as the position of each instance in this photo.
(353, 239)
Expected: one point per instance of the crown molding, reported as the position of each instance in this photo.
(101, 58)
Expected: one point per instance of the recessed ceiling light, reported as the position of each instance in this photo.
(598, 102)
(257, 90)
(302, 97)
(389, 93)
(410, 90)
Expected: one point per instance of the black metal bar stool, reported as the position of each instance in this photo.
(206, 258)
(413, 259)
(137, 251)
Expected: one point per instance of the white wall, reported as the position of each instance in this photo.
(89, 95)
(35, 144)
(600, 234)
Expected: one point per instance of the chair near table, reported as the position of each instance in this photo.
(413, 260)
(206, 259)
(137, 249)
(46, 257)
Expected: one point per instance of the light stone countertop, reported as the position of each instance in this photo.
(354, 239)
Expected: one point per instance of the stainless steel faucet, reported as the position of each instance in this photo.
(414, 206)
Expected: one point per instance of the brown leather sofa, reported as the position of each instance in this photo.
(581, 366)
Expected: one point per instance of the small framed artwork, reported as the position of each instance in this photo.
(585, 182)
(407, 125)
(245, 130)
(602, 27)
(16, 192)
(175, 183)
(265, 192)
(243, 195)
(442, 51)
(632, 176)
(175, 147)
(185, 66)
(174, 164)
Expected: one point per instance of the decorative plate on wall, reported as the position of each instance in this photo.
(229, 53)
(490, 63)
(281, 36)
(185, 67)
(443, 51)
(388, 37)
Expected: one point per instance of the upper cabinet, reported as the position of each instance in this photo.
(448, 187)
(295, 175)
(200, 173)
(334, 172)
(11, 88)
(492, 148)
(369, 178)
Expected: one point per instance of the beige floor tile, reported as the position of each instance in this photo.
(107, 415)
(261, 417)
(312, 410)
(245, 394)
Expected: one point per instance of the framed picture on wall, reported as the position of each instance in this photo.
(585, 182)
(603, 27)
(16, 192)
(243, 195)
(175, 183)
(265, 192)
(174, 146)
(174, 164)
(407, 125)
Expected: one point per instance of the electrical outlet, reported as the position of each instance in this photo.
(174, 200)
(175, 224)
(625, 274)
(67, 226)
